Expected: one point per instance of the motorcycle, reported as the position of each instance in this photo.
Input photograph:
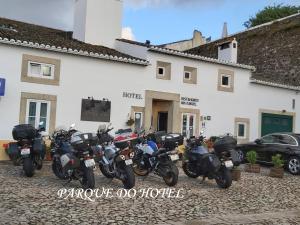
(161, 161)
(72, 156)
(115, 157)
(215, 165)
(30, 147)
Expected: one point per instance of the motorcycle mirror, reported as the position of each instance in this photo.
(72, 126)
(41, 123)
(201, 132)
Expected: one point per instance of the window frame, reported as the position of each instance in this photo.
(37, 112)
(41, 75)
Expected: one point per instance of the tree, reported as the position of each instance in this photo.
(271, 13)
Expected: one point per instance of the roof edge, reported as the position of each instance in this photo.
(250, 29)
(198, 57)
(272, 84)
(72, 51)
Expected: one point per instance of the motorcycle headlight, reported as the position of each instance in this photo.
(122, 157)
(131, 155)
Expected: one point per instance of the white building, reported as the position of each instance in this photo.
(49, 75)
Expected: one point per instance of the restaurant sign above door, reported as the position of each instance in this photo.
(189, 101)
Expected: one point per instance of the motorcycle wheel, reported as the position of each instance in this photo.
(186, 169)
(58, 170)
(39, 164)
(129, 180)
(224, 178)
(138, 170)
(105, 170)
(28, 167)
(171, 177)
(88, 180)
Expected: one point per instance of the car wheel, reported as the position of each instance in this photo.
(293, 165)
(241, 155)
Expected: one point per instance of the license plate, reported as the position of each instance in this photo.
(89, 163)
(174, 157)
(25, 151)
(229, 164)
(128, 162)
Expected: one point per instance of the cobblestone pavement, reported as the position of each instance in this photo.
(256, 199)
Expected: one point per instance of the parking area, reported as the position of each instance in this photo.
(256, 199)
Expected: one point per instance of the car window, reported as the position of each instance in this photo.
(287, 139)
(269, 139)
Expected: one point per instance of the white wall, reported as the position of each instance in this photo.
(82, 77)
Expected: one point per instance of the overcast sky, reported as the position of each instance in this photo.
(160, 21)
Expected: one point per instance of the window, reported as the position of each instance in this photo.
(38, 111)
(41, 70)
(138, 120)
(241, 130)
(269, 139)
(161, 71)
(287, 140)
(225, 81)
(187, 75)
(225, 46)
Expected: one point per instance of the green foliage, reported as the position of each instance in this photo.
(251, 157)
(277, 161)
(271, 13)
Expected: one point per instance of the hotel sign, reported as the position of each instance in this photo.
(2, 87)
(189, 101)
(132, 95)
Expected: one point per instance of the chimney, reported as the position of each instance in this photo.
(227, 51)
(225, 31)
(98, 22)
(197, 39)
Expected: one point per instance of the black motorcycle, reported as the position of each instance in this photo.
(161, 161)
(30, 147)
(215, 165)
(72, 156)
(115, 157)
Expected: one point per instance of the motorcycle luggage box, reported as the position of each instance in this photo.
(13, 150)
(171, 141)
(210, 163)
(105, 138)
(122, 144)
(81, 141)
(23, 131)
(235, 157)
(39, 147)
(223, 144)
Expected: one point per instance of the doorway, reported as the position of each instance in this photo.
(162, 121)
(188, 125)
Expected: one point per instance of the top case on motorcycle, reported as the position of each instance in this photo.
(24, 131)
(223, 144)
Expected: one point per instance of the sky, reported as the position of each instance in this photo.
(160, 21)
